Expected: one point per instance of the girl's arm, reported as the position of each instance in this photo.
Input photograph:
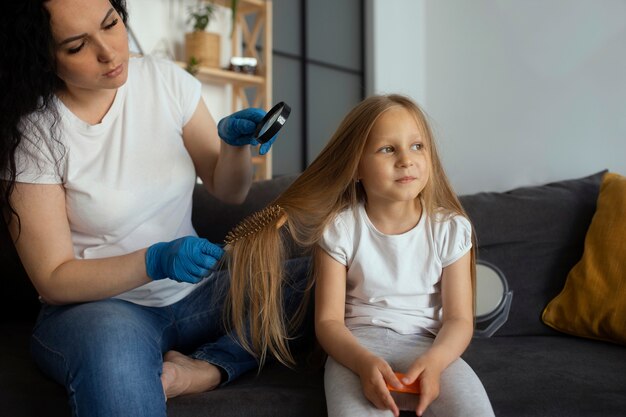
(453, 337)
(338, 341)
(45, 249)
(225, 170)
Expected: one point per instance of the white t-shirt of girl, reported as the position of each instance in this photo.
(394, 281)
(129, 179)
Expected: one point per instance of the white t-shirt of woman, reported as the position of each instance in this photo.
(129, 179)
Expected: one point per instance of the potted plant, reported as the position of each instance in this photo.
(202, 46)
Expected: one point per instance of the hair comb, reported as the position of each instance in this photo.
(255, 222)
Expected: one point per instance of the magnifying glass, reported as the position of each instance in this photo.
(272, 122)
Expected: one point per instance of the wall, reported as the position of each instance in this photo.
(394, 38)
(519, 92)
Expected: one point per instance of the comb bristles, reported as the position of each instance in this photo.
(253, 223)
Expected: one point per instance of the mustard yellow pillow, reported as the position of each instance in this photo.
(593, 301)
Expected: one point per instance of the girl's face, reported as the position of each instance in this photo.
(91, 44)
(395, 165)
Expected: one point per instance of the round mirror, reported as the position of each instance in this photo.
(493, 299)
(490, 291)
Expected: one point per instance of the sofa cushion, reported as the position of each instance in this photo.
(276, 391)
(24, 391)
(592, 301)
(534, 235)
(548, 376)
(21, 303)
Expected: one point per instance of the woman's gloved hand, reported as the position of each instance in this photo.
(187, 259)
(238, 129)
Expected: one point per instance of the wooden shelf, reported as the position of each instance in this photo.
(253, 26)
(244, 6)
(222, 76)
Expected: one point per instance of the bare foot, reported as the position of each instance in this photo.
(184, 375)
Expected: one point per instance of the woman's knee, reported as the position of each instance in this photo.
(95, 338)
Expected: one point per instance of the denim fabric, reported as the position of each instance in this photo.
(108, 354)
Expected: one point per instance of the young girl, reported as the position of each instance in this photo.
(394, 267)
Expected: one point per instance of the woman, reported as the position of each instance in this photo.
(98, 159)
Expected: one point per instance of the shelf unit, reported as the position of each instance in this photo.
(253, 27)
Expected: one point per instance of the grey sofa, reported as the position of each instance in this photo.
(534, 235)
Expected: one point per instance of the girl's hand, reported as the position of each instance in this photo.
(375, 373)
(429, 375)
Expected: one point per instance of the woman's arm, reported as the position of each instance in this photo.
(338, 341)
(225, 170)
(454, 335)
(45, 249)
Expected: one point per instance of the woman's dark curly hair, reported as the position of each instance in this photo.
(28, 78)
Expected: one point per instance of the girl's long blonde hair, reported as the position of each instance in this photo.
(254, 307)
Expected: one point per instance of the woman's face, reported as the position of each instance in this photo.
(91, 44)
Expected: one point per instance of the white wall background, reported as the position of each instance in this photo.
(519, 92)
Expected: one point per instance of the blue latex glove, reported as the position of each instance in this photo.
(238, 129)
(187, 259)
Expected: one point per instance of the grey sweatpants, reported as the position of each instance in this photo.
(461, 392)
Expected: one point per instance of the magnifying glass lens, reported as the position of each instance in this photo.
(272, 122)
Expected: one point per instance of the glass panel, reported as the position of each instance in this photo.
(331, 94)
(287, 150)
(334, 32)
(286, 28)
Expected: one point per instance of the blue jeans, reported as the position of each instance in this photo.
(109, 354)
